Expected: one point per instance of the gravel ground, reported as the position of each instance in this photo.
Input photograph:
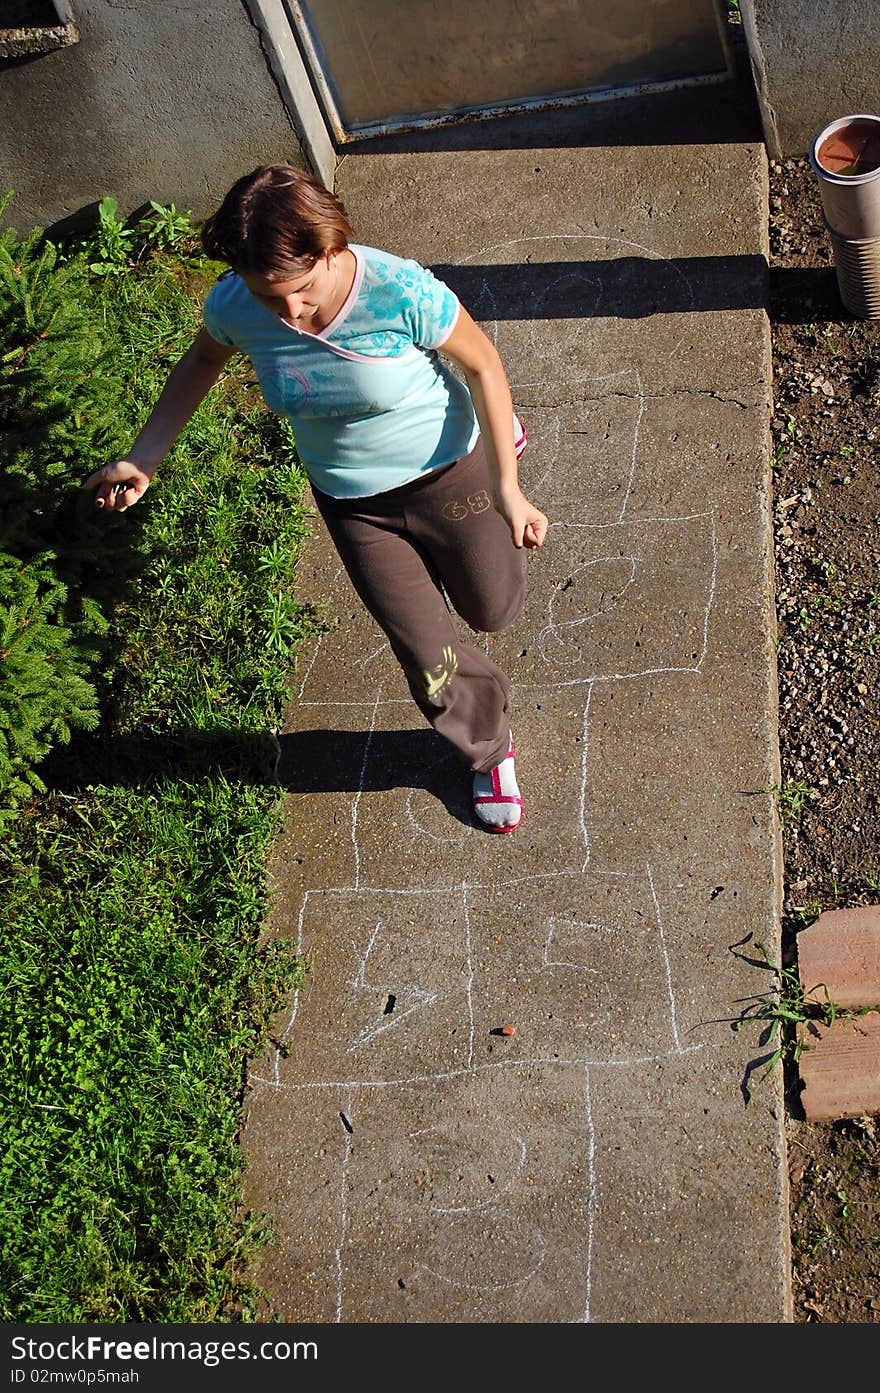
(826, 440)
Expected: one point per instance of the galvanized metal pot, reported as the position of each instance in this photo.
(845, 157)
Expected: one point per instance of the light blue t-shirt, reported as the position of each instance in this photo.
(374, 406)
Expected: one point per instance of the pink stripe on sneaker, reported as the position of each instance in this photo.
(493, 808)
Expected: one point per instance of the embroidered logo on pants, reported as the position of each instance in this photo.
(457, 510)
(436, 679)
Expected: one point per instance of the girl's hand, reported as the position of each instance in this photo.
(117, 486)
(528, 525)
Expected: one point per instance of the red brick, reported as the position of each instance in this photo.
(842, 951)
(840, 1068)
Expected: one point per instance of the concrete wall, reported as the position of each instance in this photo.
(813, 60)
(163, 99)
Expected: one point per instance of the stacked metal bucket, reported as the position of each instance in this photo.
(845, 157)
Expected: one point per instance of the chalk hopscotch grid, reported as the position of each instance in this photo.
(444, 893)
(581, 1063)
(357, 1087)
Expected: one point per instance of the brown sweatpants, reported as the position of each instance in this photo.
(402, 550)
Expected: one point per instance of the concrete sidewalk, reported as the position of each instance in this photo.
(602, 1163)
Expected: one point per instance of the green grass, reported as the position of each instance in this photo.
(133, 990)
(792, 797)
(134, 977)
(784, 1010)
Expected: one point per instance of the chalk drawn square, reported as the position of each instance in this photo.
(663, 1213)
(577, 963)
(387, 996)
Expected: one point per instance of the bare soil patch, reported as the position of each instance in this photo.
(826, 440)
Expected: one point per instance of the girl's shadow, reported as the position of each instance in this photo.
(308, 761)
(325, 761)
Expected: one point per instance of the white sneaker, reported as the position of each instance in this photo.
(497, 799)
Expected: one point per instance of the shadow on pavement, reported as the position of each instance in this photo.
(626, 287)
(308, 761)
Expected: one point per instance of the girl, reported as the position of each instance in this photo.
(414, 474)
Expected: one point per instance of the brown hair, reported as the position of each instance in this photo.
(276, 221)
